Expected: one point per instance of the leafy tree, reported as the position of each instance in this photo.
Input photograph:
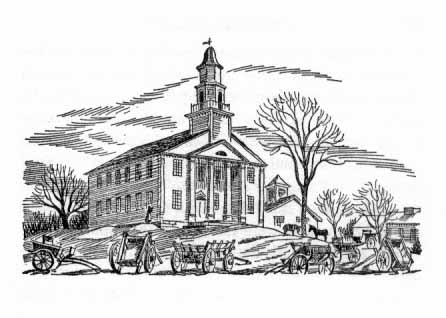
(303, 131)
(59, 189)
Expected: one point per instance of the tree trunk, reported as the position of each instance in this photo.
(335, 236)
(64, 219)
(303, 213)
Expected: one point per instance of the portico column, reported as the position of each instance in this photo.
(210, 211)
(261, 181)
(227, 208)
(193, 169)
(243, 177)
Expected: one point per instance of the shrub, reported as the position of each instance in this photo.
(78, 220)
(40, 222)
(416, 248)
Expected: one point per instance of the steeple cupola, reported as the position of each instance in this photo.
(210, 112)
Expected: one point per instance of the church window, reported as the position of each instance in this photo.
(127, 174)
(177, 167)
(176, 199)
(149, 169)
(98, 208)
(138, 201)
(128, 203)
(99, 181)
(201, 97)
(108, 178)
(107, 206)
(118, 204)
(138, 173)
(250, 204)
(216, 201)
(149, 198)
(118, 176)
(221, 153)
(251, 175)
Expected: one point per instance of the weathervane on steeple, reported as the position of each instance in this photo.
(208, 42)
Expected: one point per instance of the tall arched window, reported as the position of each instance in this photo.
(201, 97)
(220, 100)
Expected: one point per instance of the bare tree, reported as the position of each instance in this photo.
(375, 204)
(334, 205)
(59, 189)
(301, 130)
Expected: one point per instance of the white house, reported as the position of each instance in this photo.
(203, 174)
(281, 208)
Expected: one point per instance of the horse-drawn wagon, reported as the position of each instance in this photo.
(45, 255)
(393, 255)
(134, 251)
(348, 248)
(204, 257)
(303, 256)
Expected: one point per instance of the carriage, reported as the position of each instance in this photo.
(204, 257)
(134, 251)
(394, 255)
(348, 248)
(45, 255)
(305, 255)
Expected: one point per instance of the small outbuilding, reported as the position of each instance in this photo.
(282, 208)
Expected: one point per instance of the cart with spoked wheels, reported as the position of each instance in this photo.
(134, 251)
(303, 256)
(46, 256)
(204, 257)
(349, 249)
(394, 255)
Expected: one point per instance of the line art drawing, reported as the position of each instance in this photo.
(209, 199)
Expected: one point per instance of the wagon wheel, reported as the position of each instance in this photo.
(370, 242)
(149, 259)
(228, 262)
(355, 255)
(337, 254)
(384, 260)
(327, 266)
(298, 265)
(113, 257)
(43, 260)
(176, 261)
(209, 261)
(197, 262)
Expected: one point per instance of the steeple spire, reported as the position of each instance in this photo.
(210, 112)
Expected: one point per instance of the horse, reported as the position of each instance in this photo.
(292, 228)
(318, 232)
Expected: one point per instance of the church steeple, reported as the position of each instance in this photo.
(210, 111)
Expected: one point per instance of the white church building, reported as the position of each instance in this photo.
(203, 174)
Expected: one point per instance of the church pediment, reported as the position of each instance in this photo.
(221, 149)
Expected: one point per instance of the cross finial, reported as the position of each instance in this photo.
(208, 42)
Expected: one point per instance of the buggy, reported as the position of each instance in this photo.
(204, 257)
(134, 251)
(45, 255)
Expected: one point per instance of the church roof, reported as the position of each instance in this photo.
(277, 180)
(210, 58)
(282, 201)
(151, 148)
